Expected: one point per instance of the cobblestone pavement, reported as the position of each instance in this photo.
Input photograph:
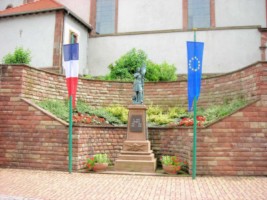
(18, 184)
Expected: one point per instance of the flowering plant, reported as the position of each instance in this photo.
(90, 162)
(97, 158)
(173, 161)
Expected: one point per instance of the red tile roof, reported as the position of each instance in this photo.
(34, 7)
(40, 6)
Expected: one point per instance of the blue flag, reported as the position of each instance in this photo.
(194, 57)
(71, 51)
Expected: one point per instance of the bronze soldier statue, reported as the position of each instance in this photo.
(138, 85)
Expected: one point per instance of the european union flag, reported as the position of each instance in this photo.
(194, 57)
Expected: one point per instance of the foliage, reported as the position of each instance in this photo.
(126, 65)
(97, 158)
(173, 160)
(83, 107)
(61, 110)
(88, 76)
(154, 110)
(58, 108)
(152, 71)
(167, 72)
(118, 111)
(159, 119)
(20, 56)
(101, 158)
(90, 162)
(89, 119)
(157, 115)
(176, 112)
(215, 112)
(173, 116)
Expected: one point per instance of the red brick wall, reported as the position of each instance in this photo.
(92, 140)
(110, 140)
(101, 93)
(30, 138)
(236, 145)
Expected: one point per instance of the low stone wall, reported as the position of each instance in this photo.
(31, 138)
(38, 85)
(236, 145)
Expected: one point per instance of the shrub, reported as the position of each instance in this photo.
(154, 110)
(101, 158)
(118, 111)
(160, 119)
(20, 56)
(83, 107)
(152, 71)
(58, 108)
(61, 110)
(167, 72)
(97, 158)
(176, 112)
(126, 65)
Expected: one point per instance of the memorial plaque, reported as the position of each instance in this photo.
(136, 123)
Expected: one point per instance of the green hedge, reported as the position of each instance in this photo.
(20, 56)
(124, 68)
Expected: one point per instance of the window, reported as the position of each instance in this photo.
(105, 16)
(198, 14)
(73, 37)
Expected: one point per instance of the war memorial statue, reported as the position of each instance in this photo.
(136, 154)
(138, 85)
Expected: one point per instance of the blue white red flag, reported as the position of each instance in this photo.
(194, 57)
(71, 66)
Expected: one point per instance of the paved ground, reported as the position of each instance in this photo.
(18, 184)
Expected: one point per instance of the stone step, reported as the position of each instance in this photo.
(135, 165)
(137, 152)
(136, 157)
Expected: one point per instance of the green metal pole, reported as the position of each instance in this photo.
(70, 124)
(195, 131)
(70, 134)
(195, 140)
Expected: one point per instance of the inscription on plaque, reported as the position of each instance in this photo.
(136, 123)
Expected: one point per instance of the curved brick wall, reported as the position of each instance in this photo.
(40, 85)
(30, 138)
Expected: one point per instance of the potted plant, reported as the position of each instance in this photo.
(172, 164)
(99, 162)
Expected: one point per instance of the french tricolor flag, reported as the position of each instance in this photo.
(71, 66)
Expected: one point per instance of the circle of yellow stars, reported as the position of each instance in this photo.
(192, 67)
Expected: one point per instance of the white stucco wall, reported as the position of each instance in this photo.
(147, 15)
(224, 51)
(80, 7)
(5, 3)
(33, 32)
(72, 25)
(240, 12)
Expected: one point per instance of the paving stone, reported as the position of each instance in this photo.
(20, 184)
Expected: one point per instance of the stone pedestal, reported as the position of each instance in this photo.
(136, 155)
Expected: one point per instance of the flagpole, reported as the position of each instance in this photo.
(195, 129)
(70, 134)
(70, 124)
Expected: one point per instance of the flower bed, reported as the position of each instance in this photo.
(156, 116)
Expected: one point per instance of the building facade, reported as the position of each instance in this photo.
(43, 27)
(234, 31)
(229, 29)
